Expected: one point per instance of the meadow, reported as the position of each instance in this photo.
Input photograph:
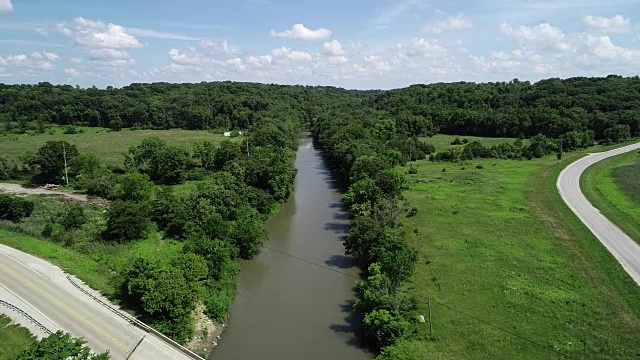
(107, 145)
(613, 186)
(14, 337)
(511, 273)
(441, 141)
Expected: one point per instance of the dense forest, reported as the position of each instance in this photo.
(365, 135)
(610, 107)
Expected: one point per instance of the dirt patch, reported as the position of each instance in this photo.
(207, 333)
(62, 196)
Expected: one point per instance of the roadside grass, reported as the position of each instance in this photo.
(15, 338)
(106, 145)
(613, 186)
(497, 243)
(441, 141)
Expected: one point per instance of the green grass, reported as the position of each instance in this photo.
(442, 142)
(15, 338)
(96, 275)
(499, 244)
(107, 145)
(609, 186)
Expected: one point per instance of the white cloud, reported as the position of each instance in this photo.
(293, 55)
(397, 10)
(72, 72)
(188, 57)
(299, 31)
(41, 32)
(37, 60)
(108, 54)
(457, 22)
(338, 59)
(617, 23)
(96, 34)
(159, 35)
(259, 61)
(76, 60)
(333, 48)
(5, 6)
(218, 48)
(543, 35)
(421, 48)
(602, 48)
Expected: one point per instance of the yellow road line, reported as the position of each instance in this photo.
(31, 285)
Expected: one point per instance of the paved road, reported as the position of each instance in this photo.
(623, 248)
(38, 288)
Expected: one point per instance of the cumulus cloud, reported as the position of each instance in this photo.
(299, 31)
(543, 35)
(96, 34)
(72, 72)
(218, 47)
(293, 55)
(421, 48)
(5, 6)
(37, 60)
(617, 23)
(457, 22)
(333, 48)
(108, 54)
(602, 48)
(41, 32)
(338, 59)
(259, 61)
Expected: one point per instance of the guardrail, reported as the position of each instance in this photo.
(137, 322)
(24, 313)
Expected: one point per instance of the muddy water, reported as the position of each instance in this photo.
(287, 307)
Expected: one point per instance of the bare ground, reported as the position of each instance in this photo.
(61, 195)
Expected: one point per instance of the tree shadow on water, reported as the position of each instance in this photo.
(338, 228)
(341, 262)
(350, 326)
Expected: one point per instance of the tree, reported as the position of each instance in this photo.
(49, 161)
(248, 235)
(74, 218)
(14, 208)
(381, 328)
(127, 220)
(134, 187)
(60, 346)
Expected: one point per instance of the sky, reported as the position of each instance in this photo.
(357, 44)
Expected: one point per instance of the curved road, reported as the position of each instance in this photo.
(43, 291)
(623, 248)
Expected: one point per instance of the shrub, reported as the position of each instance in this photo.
(127, 220)
(456, 141)
(480, 166)
(74, 218)
(413, 211)
(412, 171)
(14, 208)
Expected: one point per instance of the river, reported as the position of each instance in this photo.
(292, 300)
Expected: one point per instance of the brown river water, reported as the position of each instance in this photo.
(286, 306)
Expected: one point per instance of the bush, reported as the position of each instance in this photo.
(127, 220)
(383, 328)
(412, 171)
(74, 218)
(457, 141)
(480, 166)
(14, 208)
(413, 211)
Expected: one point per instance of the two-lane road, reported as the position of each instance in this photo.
(41, 293)
(621, 246)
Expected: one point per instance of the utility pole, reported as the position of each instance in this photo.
(64, 154)
(247, 140)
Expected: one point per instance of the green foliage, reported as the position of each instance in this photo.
(14, 208)
(248, 235)
(59, 346)
(165, 164)
(382, 328)
(73, 219)
(49, 161)
(407, 350)
(134, 187)
(127, 220)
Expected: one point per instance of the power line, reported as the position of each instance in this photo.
(436, 301)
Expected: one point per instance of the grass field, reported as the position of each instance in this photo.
(498, 246)
(613, 186)
(15, 339)
(107, 145)
(441, 141)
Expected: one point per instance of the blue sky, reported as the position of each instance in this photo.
(349, 43)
